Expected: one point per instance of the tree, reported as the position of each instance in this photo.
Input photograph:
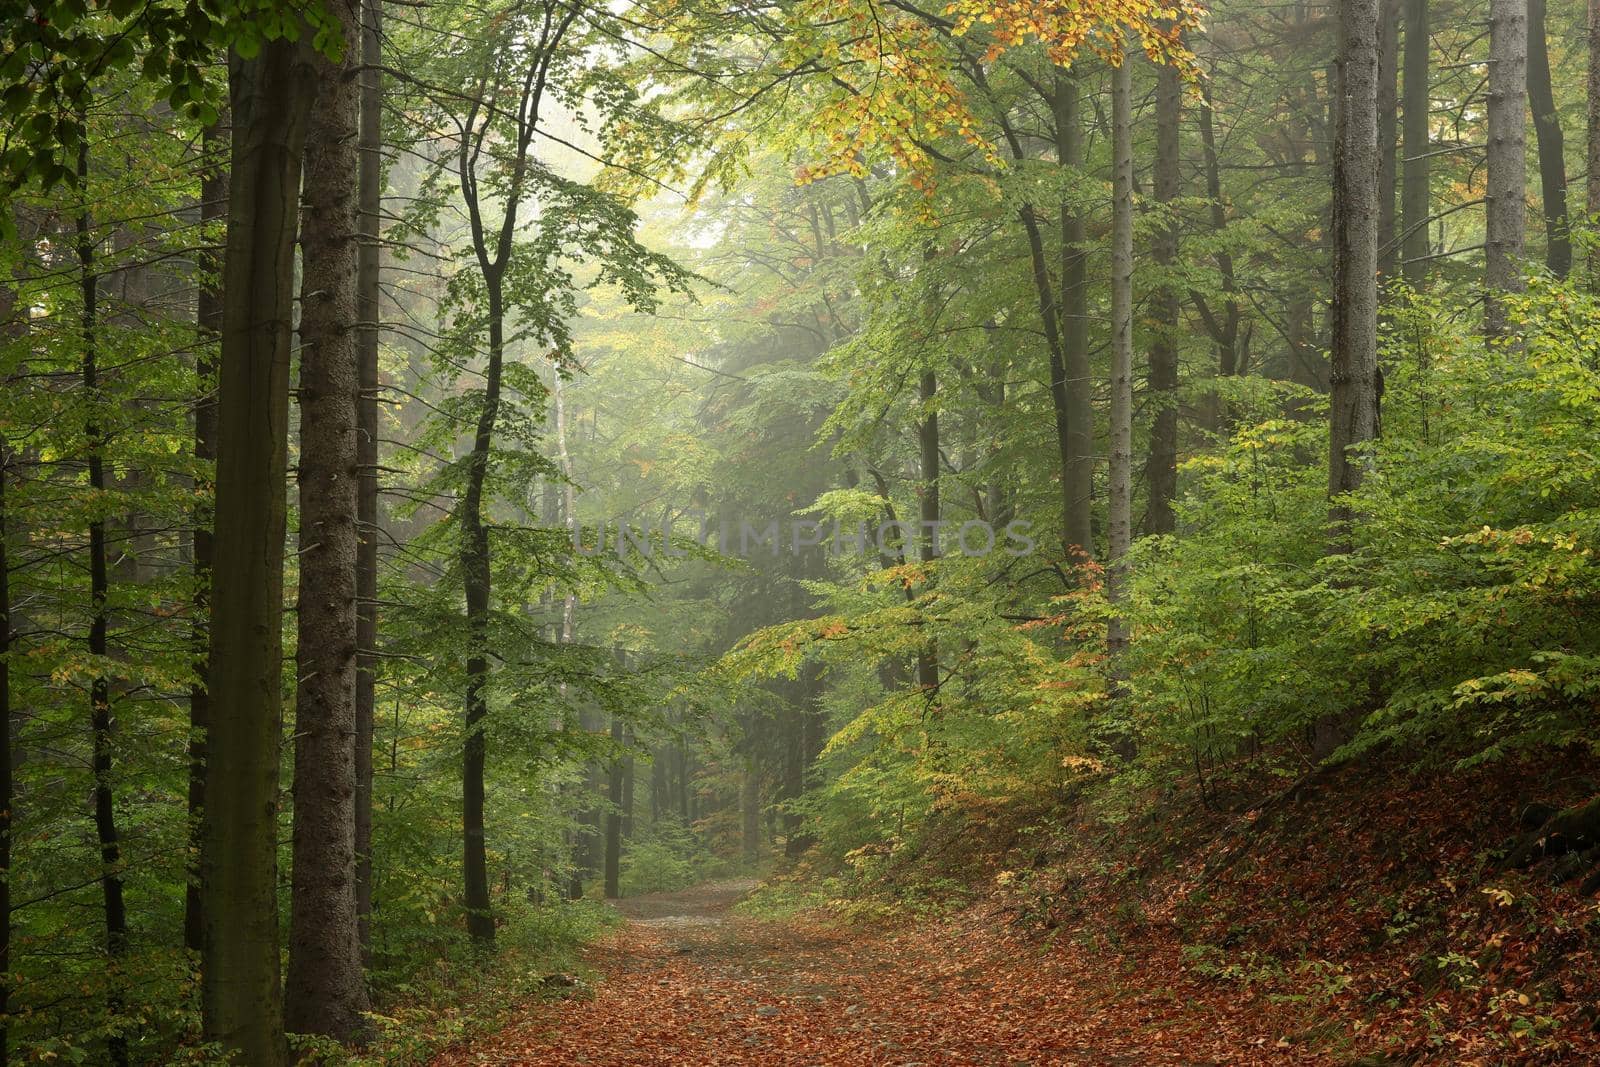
(1506, 166)
(1162, 468)
(1353, 403)
(1119, 523)
(100, 716)
(208, 318)
(1551, 146)
(270, 96)
(325, 991)
(1414, 206)
(1592, 110)
(368, 311)
(7, 790)
(613, 845)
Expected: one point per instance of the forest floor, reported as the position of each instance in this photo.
(689, 981)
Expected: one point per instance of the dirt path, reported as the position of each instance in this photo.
(688, 982)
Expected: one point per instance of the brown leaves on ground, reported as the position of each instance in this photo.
(686, 982)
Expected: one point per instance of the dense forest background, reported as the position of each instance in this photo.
(377, 379)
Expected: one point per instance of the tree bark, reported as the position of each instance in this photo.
(100, 720)
(1076, 377)
(208, 317)
(1418, 105)
(7, 790)
(1551, 146)
(1388, 107)
(475, 565)
(1224, 333)
(1506, 183)
(325, 992)
(1161, 472)
(1353, 401)
(1119, 525)
(241, 997)
(928, 511)
(1593, 124)
(613, 875)
(367, 312)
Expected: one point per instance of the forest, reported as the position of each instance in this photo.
(982, 532)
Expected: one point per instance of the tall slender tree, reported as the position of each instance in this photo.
(1506, 163)
(1414, 199)
(368, 310)
(325, 992)
(1076, 381)
(100, 716)
(1388, 116)
(928, 508)
(1353, 403)
(270, 96)
(7, 790)
(208, 317)
(1161, 471)
(1551, 145)
(1119, 523)
(1592, 200)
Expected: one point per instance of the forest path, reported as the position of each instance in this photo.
(688, 982)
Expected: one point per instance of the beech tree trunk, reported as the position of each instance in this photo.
(1161, 472)
(1076, 378)
(100, 721)
(271, 95)
(1414, 196)
(1388, 106)
(613, 874)
(6, 788)
(1119, 526)
(1552, 149)
(325, 993)
(1224, 331)
(208, 316)
(1593, 124)
(1506, 182)
(928, 490)
(475, 570)
(1353, 400)
(367, 312)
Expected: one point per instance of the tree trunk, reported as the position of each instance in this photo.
(1353, 401)
(475, 569)
(1161, 472)
(1552, 150)
(1119, 525)
(208, 317)
(613, 876)
(750, 813)
(1224, 333)
(928, 490)
(627, 787)
(1506, 183)
(1077, 379)
(6, 788)
(1593, 124)
(241, 997)
(1388, 106)
(1418, 105)
(370, 206)
(100, 721)
(325, 993)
